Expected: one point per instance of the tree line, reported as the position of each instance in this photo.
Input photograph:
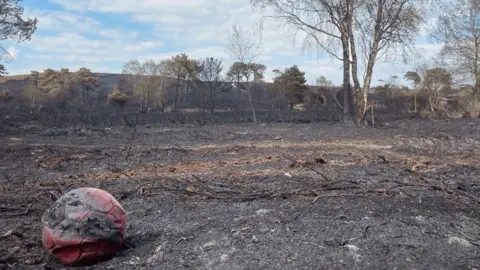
(356, 32)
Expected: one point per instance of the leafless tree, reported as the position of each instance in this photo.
(326, 24)
(132, 70)
(147, 82)
(374, 26)
(435, 82)
(383, 28)
(244, 46)
(458, 28)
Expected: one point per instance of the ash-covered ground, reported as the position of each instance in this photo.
(272, 196)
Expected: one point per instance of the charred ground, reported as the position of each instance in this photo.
(274, 196)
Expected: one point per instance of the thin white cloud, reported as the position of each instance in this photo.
(49, 20)
(71, 47)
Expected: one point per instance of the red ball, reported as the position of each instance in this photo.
(84, 226)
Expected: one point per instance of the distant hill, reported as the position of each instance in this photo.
(16, 83)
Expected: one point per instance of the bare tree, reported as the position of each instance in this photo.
(326, 24)
(383, 28)
(32, 92)
(244, 47)
(148, 82)
(132, 71)
(458, 28)
(436, 81)
(378, 25)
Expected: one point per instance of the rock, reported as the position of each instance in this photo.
(262, 212)
(429, 142)
(55, 132)
(459, 241)
(83, 132)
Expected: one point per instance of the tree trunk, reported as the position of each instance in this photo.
(249, 90)
(362, 97)
(415, 100)
(186, 95)
(346, 79)
(360, 102)
(430, 102)
(176, 93)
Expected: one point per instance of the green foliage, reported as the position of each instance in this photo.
(210, 69)
(250, 72)
(294, 82)
(179, 66)
(13, 26)
(117, 98)
(235, 73)
(322, 81)
(413, 76)
(210, 76)
(49, 80)
(84, 78)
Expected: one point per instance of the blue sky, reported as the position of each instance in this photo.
(104, 34)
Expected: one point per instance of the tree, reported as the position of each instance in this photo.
(380, 25)
(160, 94)
(178, 66)
(35, 75)
(32, 92)
(147, 82)
(85, 79)
(235, 74)
(48, 80)
(13, 26)
(5, 96)
(326, 24)
(193, 68)
(292, 84)
(458, 28)
(117, 98)
(54, 87)
(244, 47)
(435, 81)
(132, 72)
(322, 81)
(415, 78)
(211, 77)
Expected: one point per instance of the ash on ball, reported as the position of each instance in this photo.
(84, 226)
